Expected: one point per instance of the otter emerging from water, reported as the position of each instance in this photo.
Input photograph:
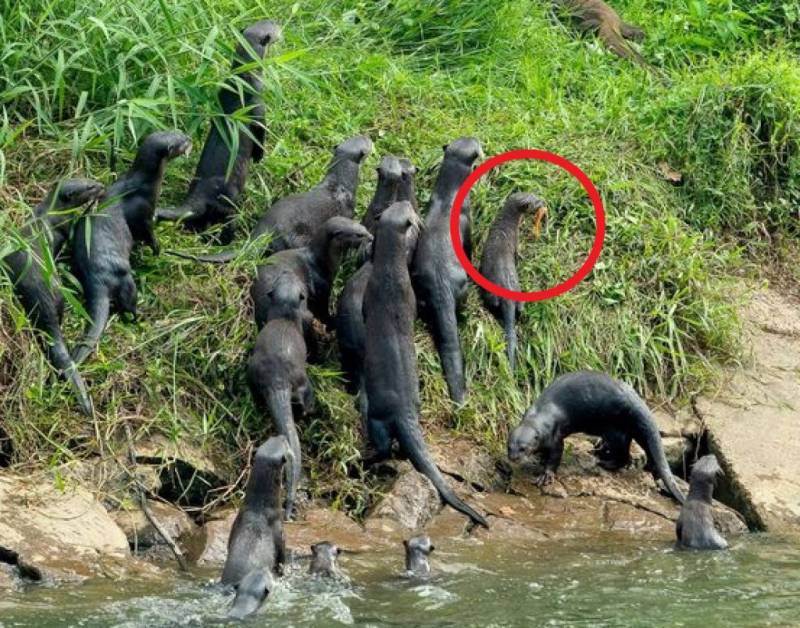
(695, 527)
(418, 548)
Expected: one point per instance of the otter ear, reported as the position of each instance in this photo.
(444, 147)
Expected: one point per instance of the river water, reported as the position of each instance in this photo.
(612, 582)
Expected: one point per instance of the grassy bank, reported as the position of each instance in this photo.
(82, 79)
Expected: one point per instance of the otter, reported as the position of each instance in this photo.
(695, 526)
(251, 593)
(408, 187)
(499, 263)
(390, 177)
(36, 288)
(103, 242)
(349, 320)
(294, 220)
(595, 16)
(418, 548)
(220, 177)
(440, 281)
(315, 265)
(596, 404)
(256, 541)
(276, 370)
(390, 375)
(324, 558)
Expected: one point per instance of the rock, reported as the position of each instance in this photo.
(140, 533)
(680, 423)
(753, 421)
(188, 476)
(62, 534)
(208, 545)
(467, 462)
(8, 578)
(323, 524)
(411, 502)
(109, 480)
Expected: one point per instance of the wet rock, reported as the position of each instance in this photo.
(409, 504)
(56, 534)
(8, 578)
(467, 462)
(208, 545)
(142, 535)
(319, 523)
(188, 476)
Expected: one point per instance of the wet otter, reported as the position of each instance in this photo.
(37, 288)
(251, 593)
(315, 265)
(349, 320)
(408, 187)
(418, 548)
(324, 557)
(220, 176)
(695, 526)
(103, 242)
(499, 263)
(595, 16)
(256, 542)
(276, 370)
(390, 364)
(592, 403)
(440, 282)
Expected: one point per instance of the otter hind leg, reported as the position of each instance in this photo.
(613, 451)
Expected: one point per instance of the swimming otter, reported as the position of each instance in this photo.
(256, 542)
(102, 244)
(695, 526)
(439, 280)
(499, 263)
(390, 375)
(37, 288)
(418, 548)
(220, 177)
(592, 403)
(324, 557)
(276, 370)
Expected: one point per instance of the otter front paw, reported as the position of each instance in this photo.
(548, 477)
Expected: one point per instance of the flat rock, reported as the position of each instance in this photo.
(208, 545)
(64, 534)
(753, 420)
(142, 535)
(467, 462)
(324, 524)
(410, 503)
(109, 480)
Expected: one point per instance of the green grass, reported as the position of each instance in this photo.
(80, 79)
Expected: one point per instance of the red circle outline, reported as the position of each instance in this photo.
(542, 155)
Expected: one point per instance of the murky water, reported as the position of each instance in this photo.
(613, 583)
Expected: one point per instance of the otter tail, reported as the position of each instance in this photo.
(60, 359)
(222, 257)
(649, 439)
(174, 213)
(99, 312)
(509, 309)
(409, 435)
(448, 345)
(279, 403)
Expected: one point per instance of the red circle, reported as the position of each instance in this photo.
(538, 295)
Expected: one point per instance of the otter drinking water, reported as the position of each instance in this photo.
(695, 526)
(220, 177)
(38, 290)
(440, 282)
(256, 546)
(391, 381)
(499, 263)
(591, 403)
(103, 242)
(276, 370)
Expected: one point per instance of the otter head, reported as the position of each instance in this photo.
(288, 298)
(465, 150)
(73, 193)
(523, 442)
(164, 146)
(418, 548)
(400, 217)
(389, 170)
(354, 149)
(526, 202)
(251, 593)
(323, 559)
(262, 34)
(343, 234)
(409, 170)
(706, 469)
(275, 452)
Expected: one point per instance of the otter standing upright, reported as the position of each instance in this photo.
(220, 177)
(499, 263)
(695, 526)
(591, 403)
(103, 242)
(39, 293)
(390, 362)
(439, 279)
